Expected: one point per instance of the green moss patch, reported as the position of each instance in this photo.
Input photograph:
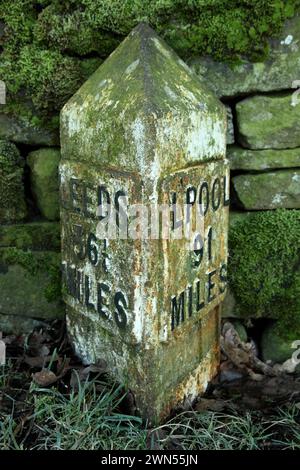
(223, 29)
(43, 164)
(43, 41)
(42, 266)
(12, 200)
(33, 236)
(264, 267)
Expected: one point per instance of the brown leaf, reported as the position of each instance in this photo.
(44, 378)
(211, 404)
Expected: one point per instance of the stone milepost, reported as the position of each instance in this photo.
(143, 130)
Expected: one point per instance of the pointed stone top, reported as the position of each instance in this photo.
(143, 101)
(144, 29)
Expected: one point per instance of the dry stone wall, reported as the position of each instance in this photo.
(263, 109)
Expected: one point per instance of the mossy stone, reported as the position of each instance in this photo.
(266, 122)
(27, 281)
(263, 267)
(16, 325)
(21, 131)
(259, 160)
(42, 41)
(12, 198)
(103, 122)
(34, 236)
(279, 72)
(43, 164)
(271, 190)
(276, 348)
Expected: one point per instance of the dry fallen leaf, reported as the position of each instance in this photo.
(243, 355)
(211, 404)
(44, 378)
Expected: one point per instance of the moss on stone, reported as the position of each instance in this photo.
(43, 164)
(268, 190)
(42, 40)
(19, 128)
(12, 201)
(53, 290)
(48, 77)
(259, 160)
(268, 122)
(33, 236)
(18, 325)
(205, 27)
(108, 118)
(264, 265)
(278, 348)
(36, 264)
(71, 29)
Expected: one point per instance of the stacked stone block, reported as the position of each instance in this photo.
(29, 236)
(264, 153)
(263, 109)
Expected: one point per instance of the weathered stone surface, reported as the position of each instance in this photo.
(268, 122)
(21, 132)
(148, 307)
(230, 139)
(33, 236)
(240, 329)
(129, 104)
(26, 279)
(43, 164)
(13, 324)
(271, 190)
(279, 72)
(12, 199)
(275, 348)
(244, 159)
(229, 307)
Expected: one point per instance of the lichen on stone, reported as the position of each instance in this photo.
(268, 190)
